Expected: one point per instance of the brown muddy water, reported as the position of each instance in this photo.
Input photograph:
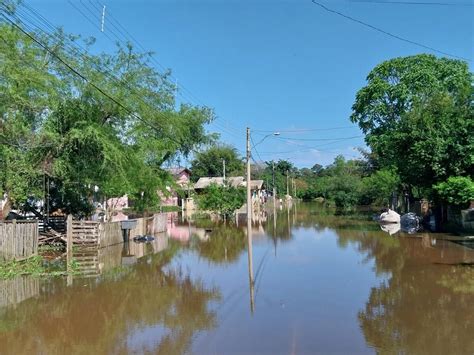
(321, 285)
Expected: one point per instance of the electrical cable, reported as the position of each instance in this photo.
(84, 78)
(324, 7)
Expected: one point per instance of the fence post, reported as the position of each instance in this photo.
(14, 240)
(69, 248)
(69, 234)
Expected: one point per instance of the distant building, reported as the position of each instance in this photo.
(205, 182)
(182, 177)
(256, 186)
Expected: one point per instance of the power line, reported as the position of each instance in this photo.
(84, 55)
(192, 97)
(76, 48)
(317, 139)
(301, 130)
(413, 3)
(309, 148)
(84, 78)
(255, 149)
(385, 32)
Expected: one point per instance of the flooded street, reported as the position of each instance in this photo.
(321, 284)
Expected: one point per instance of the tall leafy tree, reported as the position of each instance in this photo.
(418, 116)
(114, 125)
(210, 162)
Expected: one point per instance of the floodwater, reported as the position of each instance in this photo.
(320, 284)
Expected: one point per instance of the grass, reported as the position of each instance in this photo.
(34, 266)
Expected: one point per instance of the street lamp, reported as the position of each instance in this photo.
(268, 135)
(275, 134)
(249, 194)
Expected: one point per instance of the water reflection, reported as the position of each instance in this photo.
(332, 284)
(224, 245)
(140, 309)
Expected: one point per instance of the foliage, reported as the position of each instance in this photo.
(210, 162)
(378, 187)
(279, 169)
(457, 190)
(223, 200)
(34, 266)
(55, 124)
(418, 117)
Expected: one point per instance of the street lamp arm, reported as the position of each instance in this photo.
(268, 135)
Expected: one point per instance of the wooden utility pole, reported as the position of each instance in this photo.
(249, 191)
(287, 184)
(273, 183)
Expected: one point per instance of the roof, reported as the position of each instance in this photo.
(177, 171)
(204, 182)
(254, 184)
(235, 181)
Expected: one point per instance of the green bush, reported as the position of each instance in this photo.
(223, 200)
(457, 190)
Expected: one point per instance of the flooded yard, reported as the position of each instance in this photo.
(321, 284)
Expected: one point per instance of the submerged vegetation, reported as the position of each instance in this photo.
(36, 266)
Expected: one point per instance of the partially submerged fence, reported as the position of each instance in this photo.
(18, 240)
(84, 232)
(105, 234)
(17, 290)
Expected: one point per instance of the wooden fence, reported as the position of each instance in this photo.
(110, 234)
(85, 232)
(18, 240)
(18, 290)
(105, 234)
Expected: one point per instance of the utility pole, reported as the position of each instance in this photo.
(273, 183)
(249, 193)
(287, 184)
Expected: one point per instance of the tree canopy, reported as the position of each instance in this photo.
(418, 117)
(210, 162)
(111, 122)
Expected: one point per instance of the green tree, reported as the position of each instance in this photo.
(54, 123)
(418, 117)
(378, 187)
(210, 162)
(278, 169)
(223, 200)
(458, 190)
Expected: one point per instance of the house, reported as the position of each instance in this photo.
(256, 186)
(182, 177)
(205, 182)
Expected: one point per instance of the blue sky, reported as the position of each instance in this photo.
(275, 65)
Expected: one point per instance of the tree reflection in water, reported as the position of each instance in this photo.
(425, 303)
(112, 315)
(424, 307)
(225, 244)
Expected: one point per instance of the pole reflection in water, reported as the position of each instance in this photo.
(250, 266)
(275, 241)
